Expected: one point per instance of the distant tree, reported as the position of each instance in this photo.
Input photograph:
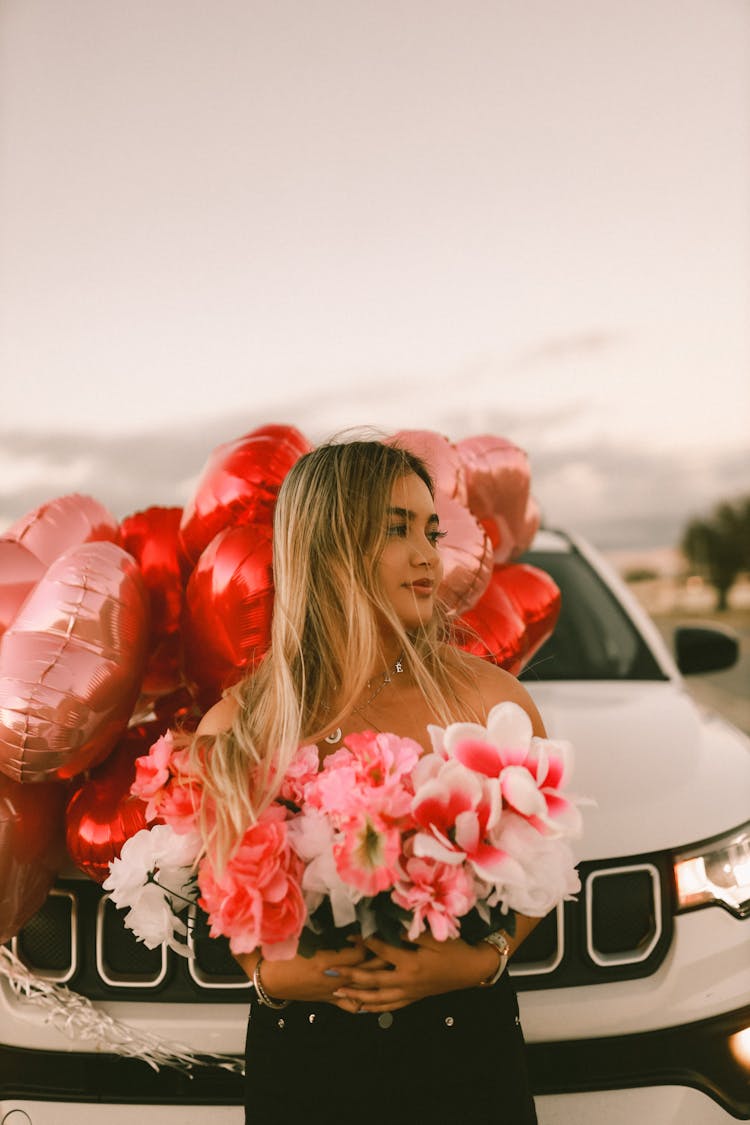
(719, 547)
(641, 574)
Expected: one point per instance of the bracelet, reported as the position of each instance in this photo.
(498, 941)
(260, 992)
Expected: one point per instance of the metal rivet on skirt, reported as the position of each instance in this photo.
(311, 1017)
(281, 1023)
(449, 1021)
(385, 1019)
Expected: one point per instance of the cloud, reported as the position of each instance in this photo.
(618, 497)
(574, 346)
(622, 498)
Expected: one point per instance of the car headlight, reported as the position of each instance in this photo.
(716, 873)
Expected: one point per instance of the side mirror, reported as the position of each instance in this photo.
(702, 649)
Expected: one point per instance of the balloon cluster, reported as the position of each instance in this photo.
(110, 633)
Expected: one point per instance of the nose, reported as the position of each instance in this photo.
(425, 554)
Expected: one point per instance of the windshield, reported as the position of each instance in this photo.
(594, 638)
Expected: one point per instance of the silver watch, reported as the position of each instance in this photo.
(498, 941)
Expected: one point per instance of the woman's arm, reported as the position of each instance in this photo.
(316, 978)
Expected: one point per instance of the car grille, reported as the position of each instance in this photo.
(619, 928)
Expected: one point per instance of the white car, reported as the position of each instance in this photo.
(635, 999)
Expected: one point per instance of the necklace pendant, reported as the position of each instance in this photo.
(399, 666)
(333, 737)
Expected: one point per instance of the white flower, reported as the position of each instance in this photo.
(548, 869)
(312, 837)
(154, 879)
(153, 921)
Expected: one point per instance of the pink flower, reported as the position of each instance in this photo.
(152, 773)
(180, 805)
(383, 758)
(302, 770)
(438, 894)
(370, 775)
(163, 779)
(367, 853)
(257, 899)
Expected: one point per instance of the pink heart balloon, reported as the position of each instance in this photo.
(62, 523)
(466, 552)
(71, 664)
(19, 573)
(440, 457)
(31, 849)
(497, 482)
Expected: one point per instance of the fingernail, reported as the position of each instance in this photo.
(340, 994)
(331, 973)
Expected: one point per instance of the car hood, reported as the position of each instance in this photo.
(664, 772)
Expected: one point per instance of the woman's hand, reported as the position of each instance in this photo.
(314, 979)
(428, 968)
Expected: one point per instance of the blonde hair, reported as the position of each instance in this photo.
(330, 527)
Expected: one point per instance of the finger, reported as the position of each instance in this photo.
(368, 996)
(343, 959)
(373, 963)
(352, 1006)
(375, 1008)
(373, 978)
(388, 952)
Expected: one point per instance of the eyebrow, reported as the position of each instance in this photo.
(407, 514)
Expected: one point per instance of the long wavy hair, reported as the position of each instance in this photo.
(330, 527)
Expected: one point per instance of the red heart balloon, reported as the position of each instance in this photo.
(101, 814)
(152, 537)
(239, 485)
(229, 601)
(494, 628)
(71, 664)
(19, 573)
(31, 849)
(537, 599)
(62, 523)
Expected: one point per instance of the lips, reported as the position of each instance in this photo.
(424, 586)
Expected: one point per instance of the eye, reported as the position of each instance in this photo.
(398, 529)
(435, 536)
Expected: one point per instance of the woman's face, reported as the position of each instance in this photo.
(409, 568)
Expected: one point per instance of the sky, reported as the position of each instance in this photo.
(525, 218)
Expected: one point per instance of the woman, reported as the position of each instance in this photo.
(372, 1032)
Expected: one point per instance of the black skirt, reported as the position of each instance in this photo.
(461, 1053)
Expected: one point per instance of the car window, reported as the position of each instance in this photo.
(595, 638)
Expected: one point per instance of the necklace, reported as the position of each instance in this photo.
(398, 667)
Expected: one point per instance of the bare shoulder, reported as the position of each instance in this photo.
(219, 717)
(495, 685)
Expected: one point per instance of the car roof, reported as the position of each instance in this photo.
(548, 540)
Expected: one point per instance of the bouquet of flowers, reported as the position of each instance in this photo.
(381, 838)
